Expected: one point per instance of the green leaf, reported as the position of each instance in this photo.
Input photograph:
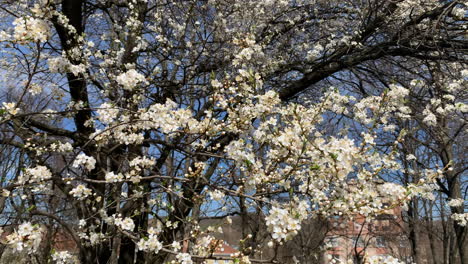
(31, 208)
(315, 167)
(248, 163)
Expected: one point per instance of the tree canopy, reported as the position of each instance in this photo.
(125, 123)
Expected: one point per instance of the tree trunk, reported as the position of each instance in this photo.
(452, 250)
(414, 231)
(454, 191)
(460, 234)
(430, 231)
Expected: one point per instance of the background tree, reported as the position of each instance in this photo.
(132, 116)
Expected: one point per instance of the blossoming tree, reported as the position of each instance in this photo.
(134, 119)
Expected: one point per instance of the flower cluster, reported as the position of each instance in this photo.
(107, 113)
(282, 224)
(81, 192)
(216, 195)
(61, 147)
(62, 64)
(62, 257)
(112, 177)
(199, 110)
(184, 258)
(130, 79)
(389, 189)
(26, 238)
(126, 223)
(34, 89)
(83, 160)
(31, 29)
(383, 260)
(150, 243)
(142, 162)
(461, 219)
(455, 202)
(93, 237)
(58, 64)
(37, 174)
(10, 108)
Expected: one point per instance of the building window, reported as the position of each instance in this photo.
(333, 241)
(357, 227)
(382, 225)
(358, 242)
(380, 241)
(334, 258)
(385, 217)
(403, 242)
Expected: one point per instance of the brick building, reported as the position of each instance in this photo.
(222, 250)
(360, 237)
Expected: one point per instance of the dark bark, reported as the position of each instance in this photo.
(398, 45)
(454, 187)
(73, 10)
(414, 231)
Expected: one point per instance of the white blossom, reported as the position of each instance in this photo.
(130, 79)
(107, 113)
(461, 219)
(142, 162)
(455, 202)
(36, 174)
(151, 243)
(430, 119)
(34, 89)
(112, 177)
(26, 238)
(281, 224)
(62, 257)
(31, 29)
(81, 192)
(392, 190)
(216, 195)
(184, 258)
(64, 147)
(10, 108)
(83, 160)
(176, 246)
(166, 105)
(58, 64)
(125, 223)
(383, 260)
(96, 238)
